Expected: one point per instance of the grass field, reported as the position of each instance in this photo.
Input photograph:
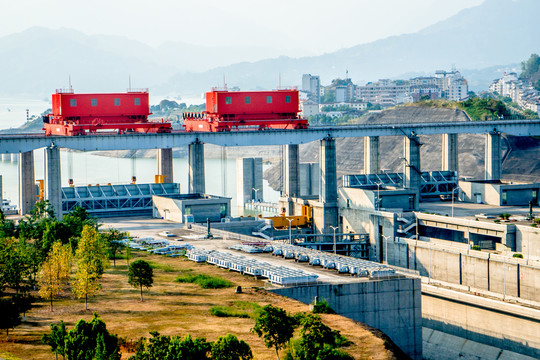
(176, 308)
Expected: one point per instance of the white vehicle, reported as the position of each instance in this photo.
(166, 234)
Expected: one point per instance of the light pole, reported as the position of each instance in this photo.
(385, 248)
(290, 226)
(456, 188)
(378, 195)
(256, 191)
(334, 228)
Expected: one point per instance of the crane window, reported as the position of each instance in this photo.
(268, 99)
(93, 102)
(117, 102)
(247, 100)
(72, 102)
(287, 99)
(228, 100)
(137, 101)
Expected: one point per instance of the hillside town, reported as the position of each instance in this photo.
(384, 93)
(521, 92)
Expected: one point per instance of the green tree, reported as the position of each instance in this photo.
(113, 239)
(157, 347)
(14, 269)
(188, 348)
(55, 272)
(91, 257)
(140, 274)
(23, 302)
(230, 348)
(530, 66)
(91, 341)
(162, 347)
(10, 315)
(7, 227)
(128, 254)
(317, 341)
(275, 326)
(56, 339)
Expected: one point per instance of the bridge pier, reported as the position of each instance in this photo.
(493, 168)
(165, 164)
(53, 185)
(371, 155)
(27, 186)
(196, 181)
(325, 214)
(249, 180)
(291, 176)
(450, 152)
(411, 163)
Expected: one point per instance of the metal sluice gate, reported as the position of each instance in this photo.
(116, 200)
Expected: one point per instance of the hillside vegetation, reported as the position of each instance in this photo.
(530, 70)
(478, 109)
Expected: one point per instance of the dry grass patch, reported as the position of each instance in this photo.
(173, 308)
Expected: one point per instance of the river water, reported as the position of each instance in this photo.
(92, 168)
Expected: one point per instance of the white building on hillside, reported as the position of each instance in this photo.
(312, 85)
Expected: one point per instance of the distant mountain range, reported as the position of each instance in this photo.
(482, 42)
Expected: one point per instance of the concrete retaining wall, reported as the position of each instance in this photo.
(510, 277)
(440, 346)
(393, 306)
(499, 325)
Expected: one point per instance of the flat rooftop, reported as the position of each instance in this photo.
(149, 227)
(470, 210)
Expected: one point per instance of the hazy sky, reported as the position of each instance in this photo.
(300, 26)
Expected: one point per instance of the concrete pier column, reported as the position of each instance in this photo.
(14, 158)
(450, 152)
(249, 180)
(27, 186)
(196, 168)
(493, 165)
(291, 171)
(328, 184)
(53, 185)
(371, 155)
(411, 162)
(165, 164)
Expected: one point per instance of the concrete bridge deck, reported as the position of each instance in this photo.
(27, 142)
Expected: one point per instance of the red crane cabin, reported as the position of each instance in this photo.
(76, 114)
(277, 109)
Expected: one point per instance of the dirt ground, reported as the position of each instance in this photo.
(173, 308)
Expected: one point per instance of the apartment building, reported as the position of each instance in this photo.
(311, 84)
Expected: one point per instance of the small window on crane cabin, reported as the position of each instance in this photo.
(269, 99)
(117, 102)
(287, 99)
(93, 102)
(72, 102)
(247, 100)
(228, 100)
(137, 101)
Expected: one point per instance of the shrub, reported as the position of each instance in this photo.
(476, 247)
(322, 307)
(519, 256)
(240, 309)
(505, 216)
(204, 281)
(537, 221)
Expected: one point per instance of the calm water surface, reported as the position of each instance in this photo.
(91, 168)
